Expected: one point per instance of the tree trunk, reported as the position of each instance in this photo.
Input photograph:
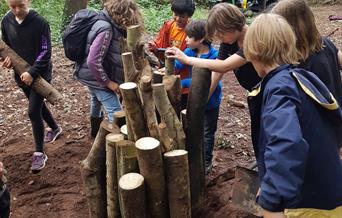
(166, 142)
(93, 170)
(148, 106)
(151, 167)
(168, 115)
(70, 9)
(113, 209)
(126, 158)
(20, 66)
(178, 183)
(132, 195)
(197, 100)
(131, 97)
(173, 88)
(119, 118)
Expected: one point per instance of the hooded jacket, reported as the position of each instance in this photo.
(103, 62)
(294, 121)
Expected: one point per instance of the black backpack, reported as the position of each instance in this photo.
(75, 34)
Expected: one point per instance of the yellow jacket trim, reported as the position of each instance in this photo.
(313, 213)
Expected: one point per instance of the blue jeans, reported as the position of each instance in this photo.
(108, 99)
(210, 127)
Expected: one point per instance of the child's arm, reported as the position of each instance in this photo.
(162, 39)
(43, 59)
(179, 65)
(286, 150)
(221, 66)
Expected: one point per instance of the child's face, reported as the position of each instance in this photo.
(229, 37)
(19, 8)
(192, 43)
(180, 19)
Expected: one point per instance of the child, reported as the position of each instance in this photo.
(4, 195)
(294, 117)
(28, 34)
(227, 24)
(199, 46)
(102, 71)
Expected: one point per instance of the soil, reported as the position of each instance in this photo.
(58, 190)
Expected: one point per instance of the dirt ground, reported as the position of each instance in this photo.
(58, 190)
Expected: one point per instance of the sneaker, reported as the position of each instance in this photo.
(52, 135)
(208, 166)
(38, 161)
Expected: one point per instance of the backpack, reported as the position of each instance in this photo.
(76, 33)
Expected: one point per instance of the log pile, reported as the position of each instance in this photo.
(144, 170)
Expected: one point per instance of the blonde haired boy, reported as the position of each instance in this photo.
(294, 121)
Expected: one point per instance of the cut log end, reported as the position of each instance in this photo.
(147, 143)
(175, 153)
(113, 137)
(133, 27)
(126, 53)
(131, 181)
(128, 85)
(123, 129)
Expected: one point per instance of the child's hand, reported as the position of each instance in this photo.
(176, 53)
(26, 78)
(113, 86)
(151, 46)
(7, 63)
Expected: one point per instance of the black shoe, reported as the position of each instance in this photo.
(95, 125)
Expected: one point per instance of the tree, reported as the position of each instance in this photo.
(70, 8)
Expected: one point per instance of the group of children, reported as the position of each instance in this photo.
(292, 74)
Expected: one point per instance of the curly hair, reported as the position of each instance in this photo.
(124, 12)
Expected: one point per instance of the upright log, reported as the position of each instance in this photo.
(134, 34)
(131, 97)
(132, 196)
(197, 100)
(93, 170)
(167, 144)
(130, 72)
(183, 119)
(151, 168)
(169, 66)
(168, 115)
(148, 106)
(178, 183)
(157, 77)
(119, 118)
(113, 209)
(173, 88)
(126, 158)
(20, 66)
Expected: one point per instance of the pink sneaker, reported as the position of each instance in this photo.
(38, 161)
(52, 135)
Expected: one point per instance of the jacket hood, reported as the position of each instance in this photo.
(28, 19)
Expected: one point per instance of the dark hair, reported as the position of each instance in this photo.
(196, 29)
(182, 7)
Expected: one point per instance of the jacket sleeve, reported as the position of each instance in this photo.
(97, 53)
(179, 65)
(285, 152)
(41, 64)
(162, 39)
(3, 32)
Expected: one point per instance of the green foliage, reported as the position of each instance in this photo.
(3, 7)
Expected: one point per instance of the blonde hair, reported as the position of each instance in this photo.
(223, 18)
(270, 40)
(124, 12)
(299, 15)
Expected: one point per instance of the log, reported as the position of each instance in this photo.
(169, 66)
(148, 106)
(157, 77)
(178, 183)
(168, 115)
(93, 170)
(167, 144)
(130, 72)
(20, 66)
(132, 195)
(126, 158)
(133, 36)
(123, 130)
(133, 105)
(113, 209)
(151, 168)
(183, 119)
(173, 88)
(197, 100)
(119, 118)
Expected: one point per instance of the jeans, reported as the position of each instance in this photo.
(210, 127)
(38, 111)
(108, 99)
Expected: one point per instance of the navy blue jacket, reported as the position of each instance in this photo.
(294, 122)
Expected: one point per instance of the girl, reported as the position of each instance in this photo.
(28, 34)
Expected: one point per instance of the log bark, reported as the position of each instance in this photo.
(168, 115)
(119, 118)
(169, 66)
(134, 34)
(132, 195)
(151, 168)
(148, 106)
(167, 144)
(113, 209)
(178, 183)
(133, 105)
(20, 66)
(93, 170)
(197, 100)
(126, 158)
(173, 88)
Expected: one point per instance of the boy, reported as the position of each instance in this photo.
(199, 46)
(294, 117)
